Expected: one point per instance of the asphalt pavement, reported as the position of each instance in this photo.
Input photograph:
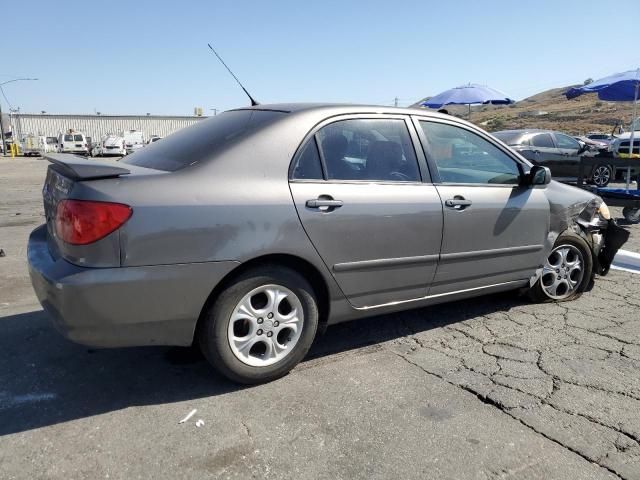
(492, 387)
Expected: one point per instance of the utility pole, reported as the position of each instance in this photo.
(395, 102)
(4, 143)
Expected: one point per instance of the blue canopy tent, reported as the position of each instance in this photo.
(619, 87)
(471, 94)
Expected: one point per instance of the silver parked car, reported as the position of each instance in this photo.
(251, 231)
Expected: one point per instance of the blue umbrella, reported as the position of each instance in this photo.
(619, 87)
(470, 94)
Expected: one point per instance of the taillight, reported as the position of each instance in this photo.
(80, 222)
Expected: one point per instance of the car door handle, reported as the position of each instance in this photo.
(458, 203)
(322, 202)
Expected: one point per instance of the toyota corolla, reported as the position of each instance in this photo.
(250, 232)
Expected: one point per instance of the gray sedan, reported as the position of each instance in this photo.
(252, 231)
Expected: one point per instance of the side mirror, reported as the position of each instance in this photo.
(539, 175)
(583, 148)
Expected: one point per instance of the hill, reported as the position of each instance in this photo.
(550, 110)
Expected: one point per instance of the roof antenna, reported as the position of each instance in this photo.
(253, 102)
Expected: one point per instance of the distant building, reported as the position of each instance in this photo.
(95, 126)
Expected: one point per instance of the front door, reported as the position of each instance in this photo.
(569, 151)
(494, 228)
(545, 153)
(358, 191)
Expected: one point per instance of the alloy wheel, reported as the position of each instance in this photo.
(601, 175)
(562, 272)
(265, 325)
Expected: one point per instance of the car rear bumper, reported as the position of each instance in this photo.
(124, 306)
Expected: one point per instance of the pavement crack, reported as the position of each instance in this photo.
(491, 402)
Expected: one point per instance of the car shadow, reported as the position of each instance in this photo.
(47, 380)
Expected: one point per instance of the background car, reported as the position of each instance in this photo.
(600, 137)
(558, 151)
(109, 145)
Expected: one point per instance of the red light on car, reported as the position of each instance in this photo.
(80, 222)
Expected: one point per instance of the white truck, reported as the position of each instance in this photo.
(621, 147)
(134, 140)
(34, 145)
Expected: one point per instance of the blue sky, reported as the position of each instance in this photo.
(122, 57)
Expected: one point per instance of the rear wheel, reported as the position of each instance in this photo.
(260, 326)
(566, 273)
(602, 175)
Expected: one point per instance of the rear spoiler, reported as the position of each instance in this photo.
(80, 168)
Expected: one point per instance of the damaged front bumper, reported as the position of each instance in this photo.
(613, 237)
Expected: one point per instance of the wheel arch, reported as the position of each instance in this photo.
(298, 264)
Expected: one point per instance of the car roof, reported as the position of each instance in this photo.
(343, 108)
(526, 131)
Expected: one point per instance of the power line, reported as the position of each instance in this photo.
(5, 98)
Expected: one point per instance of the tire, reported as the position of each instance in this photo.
(602, 175)
(243, 311)
(631, 215)
(563, 274)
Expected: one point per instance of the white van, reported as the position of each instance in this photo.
(72, 142)
(133, 140)
(109, 145)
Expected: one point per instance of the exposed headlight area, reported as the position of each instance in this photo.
(603, 211)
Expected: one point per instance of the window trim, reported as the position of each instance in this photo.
(433, 167)
(423, 170)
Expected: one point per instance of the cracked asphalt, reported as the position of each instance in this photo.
(492, 387)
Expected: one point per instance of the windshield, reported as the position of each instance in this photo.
(202, 140)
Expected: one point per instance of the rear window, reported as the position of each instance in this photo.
(77, 138)
(68, 138)
(203, 140)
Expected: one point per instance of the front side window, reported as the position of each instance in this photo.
(462, 156)
(369, 150)
(543, 140)
(565, 141)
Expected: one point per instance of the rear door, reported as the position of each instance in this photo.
(358, 189)
(494, 228)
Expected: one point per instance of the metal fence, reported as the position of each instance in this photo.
(95, 126)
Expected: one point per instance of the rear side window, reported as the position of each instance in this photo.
(308, 166)
(369, 150)
(543, 140)
(202, 141)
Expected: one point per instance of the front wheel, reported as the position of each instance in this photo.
(566, 273)
(261, 326)
(631, 215)
(602, 175)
